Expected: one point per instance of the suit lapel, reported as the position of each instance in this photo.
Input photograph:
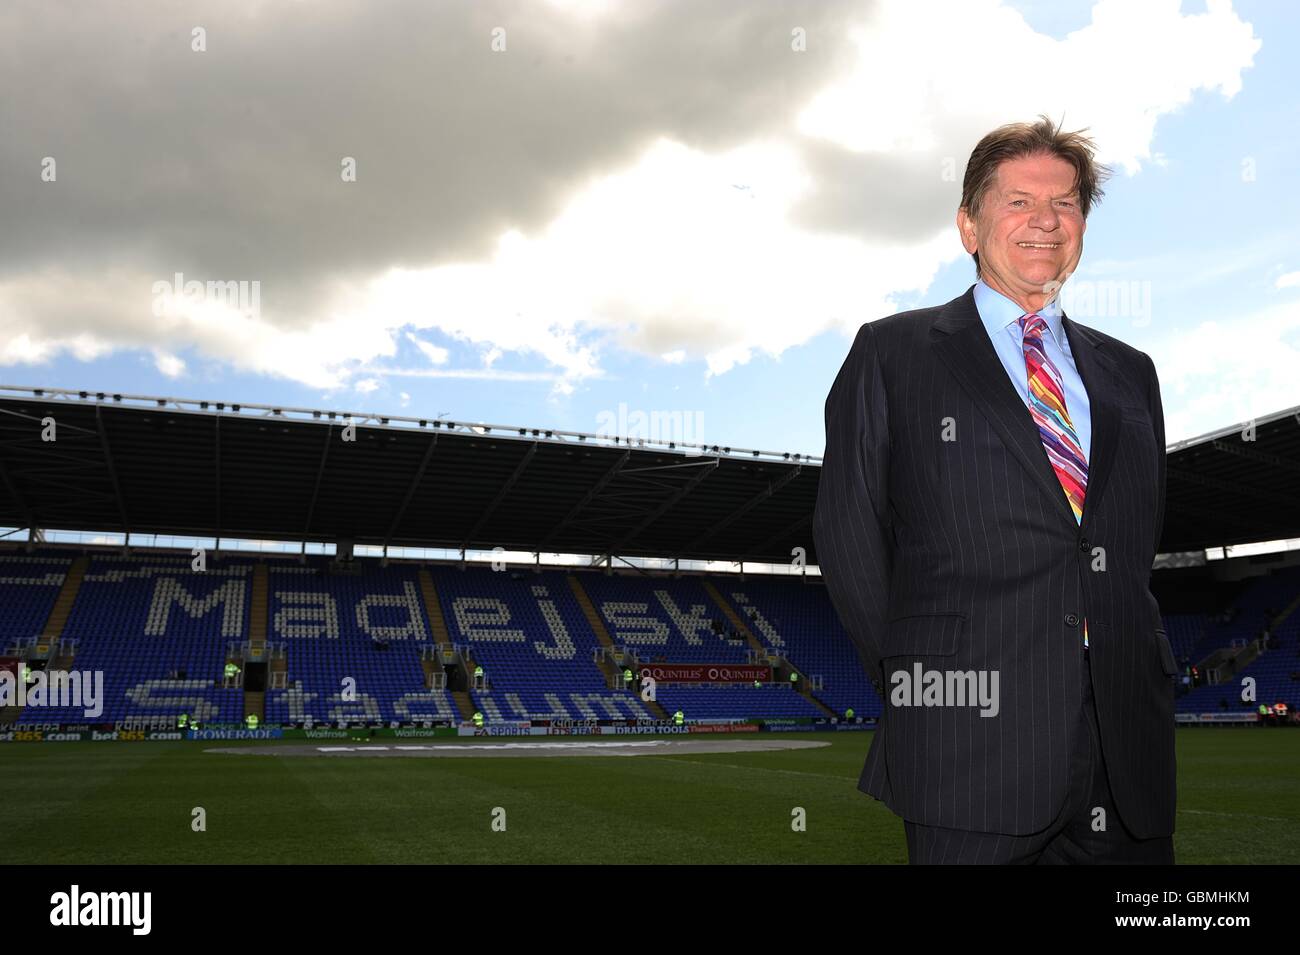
(959, 339)
(1099, 374)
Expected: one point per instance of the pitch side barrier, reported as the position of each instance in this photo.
(159, 730)
(1250, 718)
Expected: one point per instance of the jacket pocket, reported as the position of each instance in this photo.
(1167, 661)
(924, 634)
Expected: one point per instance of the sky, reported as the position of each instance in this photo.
(572, 213)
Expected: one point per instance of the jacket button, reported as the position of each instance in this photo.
(1071, 619)
(1084, 545)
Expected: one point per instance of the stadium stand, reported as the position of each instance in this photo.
(798, 620)
(535, 646)
(29, 585)
(352, 643)
(158, 632)
(327, 642)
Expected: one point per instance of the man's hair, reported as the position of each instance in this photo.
(1018, 140)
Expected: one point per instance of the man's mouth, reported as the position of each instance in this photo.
(1039, 245)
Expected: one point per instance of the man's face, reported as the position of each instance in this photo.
(1029, 232)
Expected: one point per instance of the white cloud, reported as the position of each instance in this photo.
(1288, 280)
(1132, 64)
(367, 385)
(683, 220)
(19, 349)
(620, 264)
(435, 353)
(481, 374)
(103, 311)
(741, 279)
(170, 365)
(1217, 372)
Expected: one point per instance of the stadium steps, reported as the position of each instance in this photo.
(469, 663)
(804, 689)
(255, 705)
(431, 667)
(610, 672)
(783, 673)
(58, 618)
(438, 626)
(606, 666)
(9, 714)
(1282, 617)
(464, 704)
(733, 617)
(257, 611)
(589, 611)
(429, 594)
(258, 619)
(54, 624)
(61, 662)
(277, 664)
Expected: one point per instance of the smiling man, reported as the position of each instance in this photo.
(991, 500)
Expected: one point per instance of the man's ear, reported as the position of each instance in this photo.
(966, 229)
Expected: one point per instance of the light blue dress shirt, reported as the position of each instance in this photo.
(1001, 318)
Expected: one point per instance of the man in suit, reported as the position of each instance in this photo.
(991, 500)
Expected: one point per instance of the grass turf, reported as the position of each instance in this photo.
(1239, 802)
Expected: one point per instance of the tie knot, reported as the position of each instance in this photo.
(1032, 323)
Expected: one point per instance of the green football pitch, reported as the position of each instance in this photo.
(1239, 802)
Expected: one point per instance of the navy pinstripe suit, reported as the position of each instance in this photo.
(944, 538)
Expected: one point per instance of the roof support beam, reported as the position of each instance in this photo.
(217, 455)
(1250, 454)
(14, 493)
(772, 487)
(587, 498)
(112, 472)
(784, 533)
(315, 491)
(706, 467)
(501, 496)
(410, 490)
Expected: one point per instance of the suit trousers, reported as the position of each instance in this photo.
(1078, 836)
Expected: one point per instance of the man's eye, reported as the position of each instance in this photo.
(1016, 202)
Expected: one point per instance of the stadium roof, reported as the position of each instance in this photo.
(157, 465)
(1236, 485)
(152, 465)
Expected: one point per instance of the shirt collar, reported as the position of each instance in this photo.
(997, 312)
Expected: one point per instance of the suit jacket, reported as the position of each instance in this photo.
(963, 554)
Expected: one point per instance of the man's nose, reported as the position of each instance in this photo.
(1047, 219)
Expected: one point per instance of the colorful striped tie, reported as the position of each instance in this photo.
(1047, 405)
